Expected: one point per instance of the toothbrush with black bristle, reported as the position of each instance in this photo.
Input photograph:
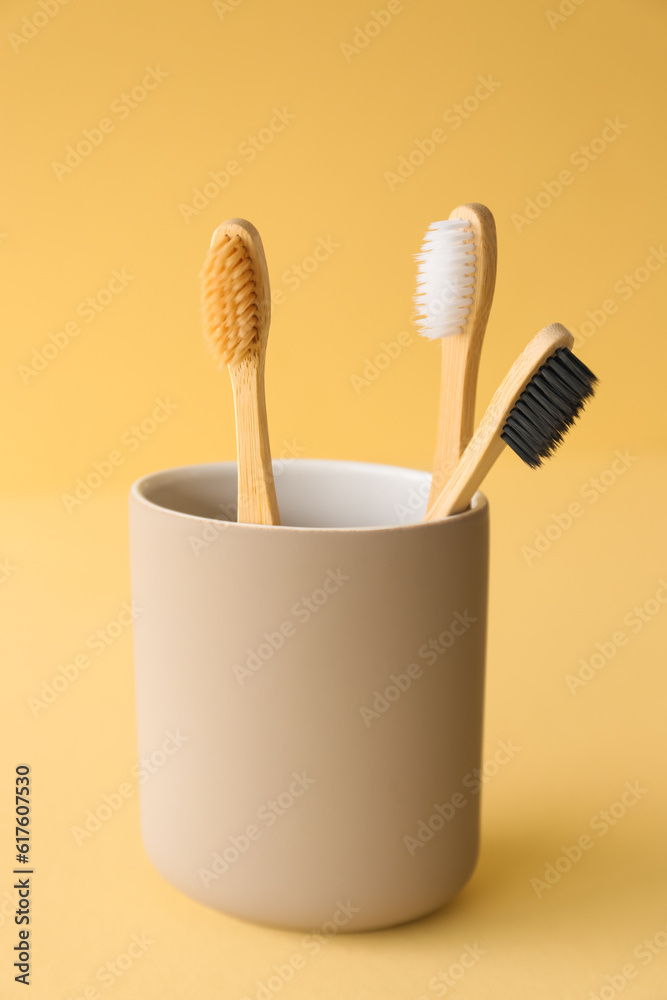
(536, 404)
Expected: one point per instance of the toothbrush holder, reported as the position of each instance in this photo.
(313, 692)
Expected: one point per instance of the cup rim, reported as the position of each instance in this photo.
(478, 507)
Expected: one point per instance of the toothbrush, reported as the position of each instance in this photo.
(236, 306)
(456, 276)
(535, 405)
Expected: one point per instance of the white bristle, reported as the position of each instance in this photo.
(445, 278)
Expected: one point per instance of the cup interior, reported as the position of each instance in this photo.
(312, 493)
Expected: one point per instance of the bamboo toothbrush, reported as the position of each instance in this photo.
(535, 405)
(456, 276)
(236, 305)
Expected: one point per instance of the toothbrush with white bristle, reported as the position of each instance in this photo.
(456, 276)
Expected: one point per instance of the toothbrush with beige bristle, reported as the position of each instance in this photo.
(455, 283)
(236, 306)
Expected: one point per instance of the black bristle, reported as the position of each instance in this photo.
(548, 407)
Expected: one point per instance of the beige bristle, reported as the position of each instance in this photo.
(229, 300)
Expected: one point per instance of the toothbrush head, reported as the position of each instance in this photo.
(548, 406)
(235, 294)
(445, 278)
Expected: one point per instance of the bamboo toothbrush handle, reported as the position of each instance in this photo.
(487, 444)
(461, 352)
(256, 490)
(456, 409)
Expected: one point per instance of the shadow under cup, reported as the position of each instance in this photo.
(309, 697)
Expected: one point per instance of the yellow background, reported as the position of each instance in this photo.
(324, 176)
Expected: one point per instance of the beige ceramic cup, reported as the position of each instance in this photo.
(310, 696)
